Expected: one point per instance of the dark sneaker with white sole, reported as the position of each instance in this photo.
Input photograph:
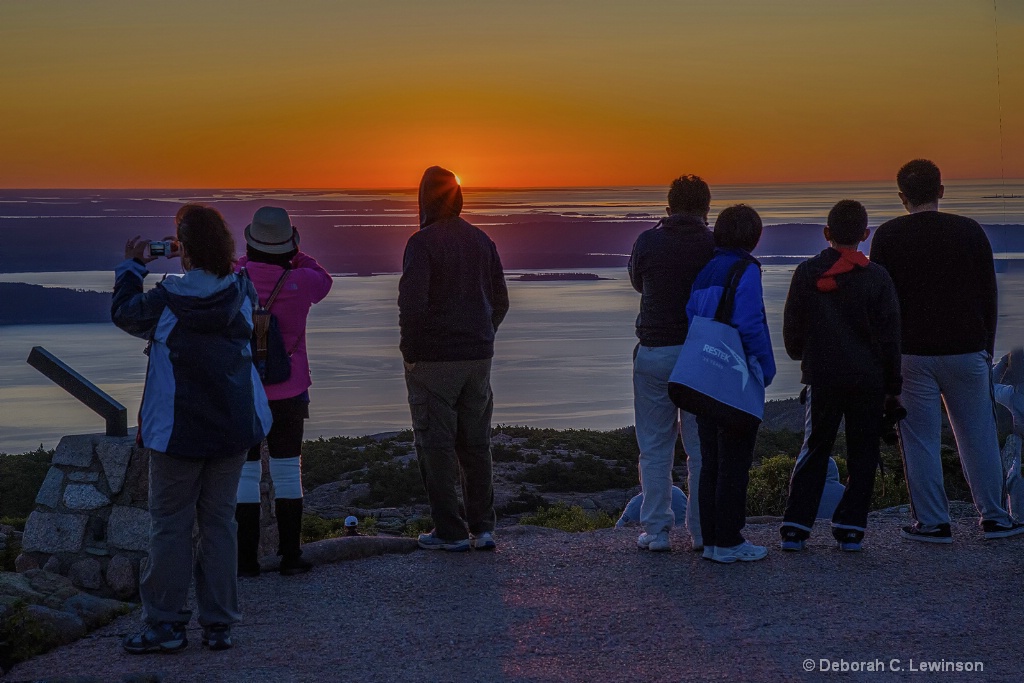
(915, 532)
(793, 540)
(432, 542)
(994, 530)
(849, 540)
(484, 541)
(165, 637)
(217, 637)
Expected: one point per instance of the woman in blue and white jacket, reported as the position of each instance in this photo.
(728, 453)
(203, 407)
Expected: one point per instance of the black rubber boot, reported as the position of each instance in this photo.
(289, 530)
(248, 517)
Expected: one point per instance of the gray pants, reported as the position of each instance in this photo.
(451, 404)
(182, 492)
(658, 425)
(964, 384)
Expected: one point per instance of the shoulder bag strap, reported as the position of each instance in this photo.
(727, 304)
(277, 288)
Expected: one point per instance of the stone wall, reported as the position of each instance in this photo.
(91, 520)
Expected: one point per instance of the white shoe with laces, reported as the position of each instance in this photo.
(744, 552)
(658, 542)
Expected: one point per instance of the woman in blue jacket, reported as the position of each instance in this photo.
(728, 453)
(203, 407)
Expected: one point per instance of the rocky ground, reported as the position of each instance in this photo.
(558, 607)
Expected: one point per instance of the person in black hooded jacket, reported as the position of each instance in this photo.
(451, 299)
(842, 321)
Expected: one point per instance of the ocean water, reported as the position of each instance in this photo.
(563, 355)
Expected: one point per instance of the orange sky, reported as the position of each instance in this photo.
(358, 94)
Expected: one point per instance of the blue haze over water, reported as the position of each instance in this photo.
(563, 356)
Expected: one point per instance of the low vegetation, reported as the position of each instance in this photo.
(545, 460)
(568, 518)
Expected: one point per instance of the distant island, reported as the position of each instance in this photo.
(555, 277)
(25, 304)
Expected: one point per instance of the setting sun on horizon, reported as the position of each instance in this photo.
(119, 94)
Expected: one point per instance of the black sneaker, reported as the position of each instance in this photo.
(994, 530)
(291, 566)
(165, 637)
(217, 636)
(850, 540)
(793, 540)
(940, 534)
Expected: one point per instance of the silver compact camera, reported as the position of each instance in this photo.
(165, 248)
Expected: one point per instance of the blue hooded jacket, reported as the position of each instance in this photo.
(749, 317)
(203, 397)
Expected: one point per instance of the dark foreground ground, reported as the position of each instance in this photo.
(558, 607)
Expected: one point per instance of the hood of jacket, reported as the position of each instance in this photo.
(684, 223)
(440, 196)
(204, 302)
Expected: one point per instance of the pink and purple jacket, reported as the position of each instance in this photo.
(308, 283)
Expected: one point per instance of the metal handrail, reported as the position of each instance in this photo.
(115, 414)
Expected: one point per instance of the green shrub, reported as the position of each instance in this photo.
(20, 479)
(575, 518)
(22, 635)
(418, 525)
(392, 484)
(584, 474)
(503, 453)
(327, 460)
(16, 522)
(316, 528)
(769, 486)
(618, 445)
(525, 501)
(9, 554)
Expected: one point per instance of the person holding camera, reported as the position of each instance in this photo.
(288, 283)
(842, 321)
(203, 408)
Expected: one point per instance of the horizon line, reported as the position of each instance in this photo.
(475, 188)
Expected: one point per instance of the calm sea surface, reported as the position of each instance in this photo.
(563, 353)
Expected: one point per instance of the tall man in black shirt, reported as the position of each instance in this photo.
(945, 281)
(662, 267)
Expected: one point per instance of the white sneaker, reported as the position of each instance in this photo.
(744, 552)
(658, 542)
(709, 552)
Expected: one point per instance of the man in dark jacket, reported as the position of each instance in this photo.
(451, 299)
(665, 261)
(945, 280)
(842, 322)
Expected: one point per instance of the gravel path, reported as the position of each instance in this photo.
(551, 606)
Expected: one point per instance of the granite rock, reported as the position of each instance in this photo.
(61, 627)
(86, 477)
(75, 450)
(114, 454)
(52, 565)
(84, 497)
(128, 528)
(49, 492)
(23, 563)
(86, 573)
(49, 532)
(121, 577)
(93, 611)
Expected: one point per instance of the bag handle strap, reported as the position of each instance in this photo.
(727, 304)
(277, 287)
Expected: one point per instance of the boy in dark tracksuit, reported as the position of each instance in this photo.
(842, 321)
